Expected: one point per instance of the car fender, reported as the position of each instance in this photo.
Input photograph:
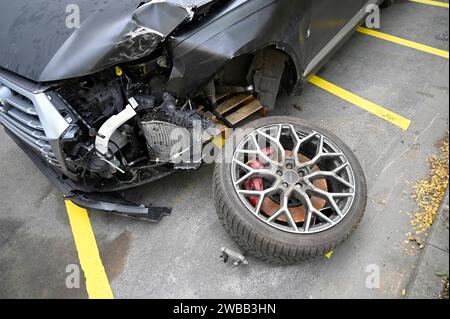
(241, 27)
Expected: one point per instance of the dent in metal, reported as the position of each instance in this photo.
(243, 27)
(240, 27)
(37, 44)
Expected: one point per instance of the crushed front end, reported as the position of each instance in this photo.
(130, 97)
(107, 132)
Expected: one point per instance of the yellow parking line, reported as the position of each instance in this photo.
(219, 141)
(432, 3)
(97, 283)
(407, 43)
(371, 107)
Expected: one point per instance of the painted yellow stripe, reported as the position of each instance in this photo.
(432, 3)
(219, 141)
(97, 283)
(371, 107)
(400, 41)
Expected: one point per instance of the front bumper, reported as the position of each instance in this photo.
(37, 121)
(111, 202)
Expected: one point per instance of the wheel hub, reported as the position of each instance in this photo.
(291, 177)
(288, 189)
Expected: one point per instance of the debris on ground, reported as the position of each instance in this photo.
(444, 294)
(235, 257)
(428, 194)
(444, 276)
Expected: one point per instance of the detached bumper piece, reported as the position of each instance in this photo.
(112, 202)
(127, 208)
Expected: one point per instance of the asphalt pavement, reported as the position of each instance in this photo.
(179, 257)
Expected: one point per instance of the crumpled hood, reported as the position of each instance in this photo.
(36, 43)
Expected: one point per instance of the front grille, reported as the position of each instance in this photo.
(20, 111)
(18, 114)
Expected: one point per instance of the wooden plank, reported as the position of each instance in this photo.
(230, 104)
(209, 115)
(233, 102)
(242, 106)
(263, 112)
(221, 127)
(221, 131)
(221, 96)
(244, 112)
(205, 114)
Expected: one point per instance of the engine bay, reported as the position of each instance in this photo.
(139, 144)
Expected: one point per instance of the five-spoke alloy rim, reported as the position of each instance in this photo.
(293, 179)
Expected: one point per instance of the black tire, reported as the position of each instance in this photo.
(267, 243)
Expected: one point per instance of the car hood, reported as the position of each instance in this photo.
(37, 43)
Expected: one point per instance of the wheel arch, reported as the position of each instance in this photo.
(246, 27)
(293, 72)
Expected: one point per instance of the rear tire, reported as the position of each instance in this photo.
(268, 243)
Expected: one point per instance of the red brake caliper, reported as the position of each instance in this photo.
(256, 184)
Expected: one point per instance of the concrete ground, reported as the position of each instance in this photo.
(427, 284)
(179, 257)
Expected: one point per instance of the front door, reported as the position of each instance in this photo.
(327, 19)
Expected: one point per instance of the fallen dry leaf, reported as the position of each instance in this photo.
(429, 193)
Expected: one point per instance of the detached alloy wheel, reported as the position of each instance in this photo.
(289, 191)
